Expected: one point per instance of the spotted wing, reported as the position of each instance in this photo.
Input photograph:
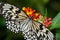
(44, 34)
(27, 30)
(35, 31)
(13, 15)
(41, 32)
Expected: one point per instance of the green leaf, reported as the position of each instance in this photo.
(44, 1)
(58, 34)
(2, 21)
(55, 22)
(14, 36)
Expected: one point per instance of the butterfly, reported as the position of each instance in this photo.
(17, 20)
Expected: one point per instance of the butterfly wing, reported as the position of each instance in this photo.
(45, 34)
(14, 17)
(16, 21)
(27, 30)
(33, 30)
(41, 32)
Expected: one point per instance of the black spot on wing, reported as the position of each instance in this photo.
(43, 35)
(54, 38)
(47, 31)
(11, 8)
(37, 31)
(47, 38)
(40, 35)
(9, 13)
(16, 17)
(9, 18)
(38, 38)
(18, 11)
(41, 27)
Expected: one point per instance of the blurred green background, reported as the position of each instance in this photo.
(49, 8)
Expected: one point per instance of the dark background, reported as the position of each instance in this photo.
(53, 7)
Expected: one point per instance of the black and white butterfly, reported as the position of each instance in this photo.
(17, 20)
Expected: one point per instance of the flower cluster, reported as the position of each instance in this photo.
(31, 13)
(37, 16)
(47, 22)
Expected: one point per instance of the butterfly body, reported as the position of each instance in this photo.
(17, 20)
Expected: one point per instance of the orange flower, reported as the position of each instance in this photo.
(28, 11)
(31, 13)
(36, 16)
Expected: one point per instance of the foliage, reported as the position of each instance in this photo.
(40, 6)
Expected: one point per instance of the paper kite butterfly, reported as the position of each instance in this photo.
(25, 20)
